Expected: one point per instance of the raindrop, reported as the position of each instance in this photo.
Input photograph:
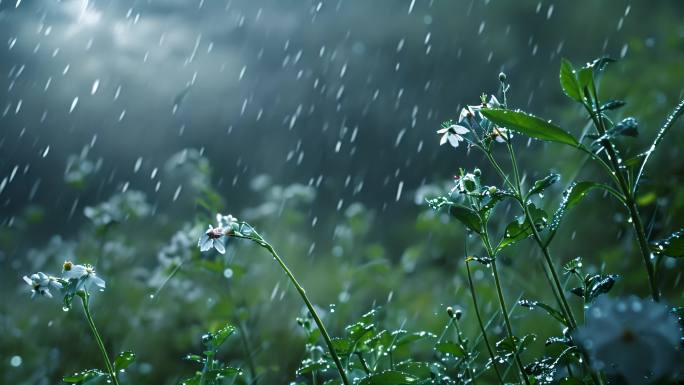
(15, 361)
(73, 104)
(96, 85)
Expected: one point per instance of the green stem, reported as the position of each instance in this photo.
(629, 199)
(85, 299)
(502, 300)
(461, 341)
(565, 307)
(248, 353)
(312, 310)
(482, 327)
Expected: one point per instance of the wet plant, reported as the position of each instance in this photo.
(81, 281)
(491, 124)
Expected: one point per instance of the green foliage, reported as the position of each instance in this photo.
(529, 125)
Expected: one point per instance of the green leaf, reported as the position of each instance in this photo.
(222, 334)
(529, 125)
(672, 246)
(467, 217)
(86, 375)
(571, 197)
(451, 348)
(124, 360)
(520, 228)
(547, 308)
(543, 184)
(389, 377)
(568, 81)
(585, 79)
(421, 370)
(612, 105)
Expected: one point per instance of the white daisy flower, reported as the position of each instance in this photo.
(633, 338)
(86, 273)
(452, 134)
(41, 283)
(212, 238)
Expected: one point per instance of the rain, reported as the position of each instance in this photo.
(339, 192)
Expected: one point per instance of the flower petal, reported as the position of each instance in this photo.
(443, 139)
(459, 129)
(454, 139)
(218, 245)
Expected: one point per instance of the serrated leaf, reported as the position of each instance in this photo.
(568, 81)
(529, 125)
(672, 246)
(389, 377)
(467, 217)
(124, 360)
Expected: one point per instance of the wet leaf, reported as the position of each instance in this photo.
(124, 360)
(86, 375)
(547, 308)
(420, 370)
(389, 377)
(612, 105)
(568, 81)
(544, 183)
(672, 246)
(222, 334)
(451, 348)
(467, 217)
(529, 125)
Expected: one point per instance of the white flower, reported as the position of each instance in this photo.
(213, 237)
(41, 283)
(452, 134)
(636, 339)
(85, 273)
(501, 134)
(226, 221)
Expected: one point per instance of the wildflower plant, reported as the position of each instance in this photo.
(491, 124)
(81, 281)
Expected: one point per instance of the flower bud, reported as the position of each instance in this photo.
(450, 312)
(492, 190)
(502, 77)
(458, 314)
(477, 172)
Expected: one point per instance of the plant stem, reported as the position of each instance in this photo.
(85, 299)
(563, 302)
(312, 310)
(482, 327)
(629, 198)
(248, 353)
(461, 341)
(504, 308)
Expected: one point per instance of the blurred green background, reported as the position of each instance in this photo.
(315, 122)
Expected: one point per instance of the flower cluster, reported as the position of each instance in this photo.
(470, 118)
(215, 237)
(74, 278)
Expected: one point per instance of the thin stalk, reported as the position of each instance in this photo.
(565, 307)
(459, 337)
(312, 310)
(629, 199)
(502, 304)
(482, 327)
(85, 299)
(248, 353)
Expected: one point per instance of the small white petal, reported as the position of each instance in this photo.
(97, 281)
(442, 130)
(28, 280)
(443, 139)
(454, 139)
(460, 129)
(218, 245)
